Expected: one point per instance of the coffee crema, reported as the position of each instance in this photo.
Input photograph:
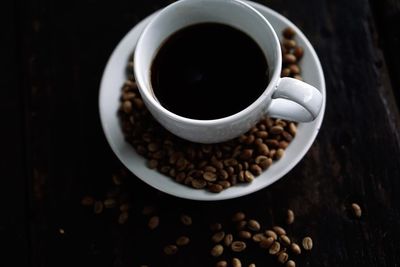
(208, 71)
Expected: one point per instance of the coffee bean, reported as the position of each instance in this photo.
(236, 262)
(152, 164)
(147, 210)
(276, 129)
(307, 243)
(170, 250)
(292, 129)
(199, 183)
(238, 246)
(298, 52)
(210, 176)
(117, 180)
(109, 203)
(215, 227)
(138, 103)
(128, 96)
(289, 44)
(267, 242)
(182, 241)
(254, 225)
(245, 234)
(289, 33)
(283, 257)
(87, 201)
(279, 230)
(241, 225)
(228, 240)
(248, 176)
(127, 106)
(279, 153)
(255, 169)
(294, 69)
(217, 250)
(285, 72)
(124, 207)
(225, 184)
(186, 220)
(215, 188)
(263, 149)
(218, 237)
(153, 222)
(356, 210)
(290, 263)
(272, 143)
(287, 136)
(238, 216)
(275, 248)
(263, 161)
(123, 217)
(98, 207)
(272, 234)
(289, 59)
(258, 237)
(290, 216)
(285, 240)
(295, 249)
(223, 174)
(230, 162)
(221, 264)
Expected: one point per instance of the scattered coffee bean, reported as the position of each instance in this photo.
(87, 201)
(279, 230)
(124, 207)
(147, 210)
(228, 240)
(356, 210)
(218, 237)
(217, 250)
(123, 217)
(289, 59)
(109, 203)
(241, 225)
(252, 265)
(279, 153)
(170, 250)
(238, 246)
(283, 257)
(244, 234)
(236, 262)
(153, 222)
(272, 234)
(298, 52)
(275, 248)
(98, 207)
(290, 216)
(258, 237)
(182, 241)
(295, 249)
(239, 216)
(290, 263)
(221, 264)
(307, 243)
(285, 240)
(253, 225)
(215, 188)
(186, 220)
(267, 242)
(215, 227)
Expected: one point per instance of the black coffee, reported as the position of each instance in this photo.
(208, 71)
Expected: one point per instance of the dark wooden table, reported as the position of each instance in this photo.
(54, 151)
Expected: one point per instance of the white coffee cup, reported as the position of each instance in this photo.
(284, 98)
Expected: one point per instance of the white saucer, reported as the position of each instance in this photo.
(110, 89)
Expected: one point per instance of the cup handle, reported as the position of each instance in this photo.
(295, 100)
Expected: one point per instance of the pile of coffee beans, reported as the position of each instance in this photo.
(213, 167)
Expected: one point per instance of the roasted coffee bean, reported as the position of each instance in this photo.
(294, 69)
(272, 234)
(254, 225)
(307, 243)
(279, 230)
(241, 225)
(288, 33)
(215, 188)
(236, 262)
(283, 257)
(221, 264)
(217, 250)
(186, 220)
(87, 201)
(275, 248)
(289, 44)
(290, 263)
(258, 237)
(123, 217)
(244, 234)
(295, 249)
(298, 52)
(267, 242)
(170, 250)
(182, 241)
(228, 240)
(98, 207)
(285, 240)
(356, 210)
(256, 169)
(248, 176)
(238, 216)
(290, 216)
(238, 246)
(215, 227)
(218, 237)
(153, 222)
(210, 176)
(109, 203)
(289, 59)
(199, 183)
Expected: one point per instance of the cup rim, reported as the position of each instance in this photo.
(246, 111)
